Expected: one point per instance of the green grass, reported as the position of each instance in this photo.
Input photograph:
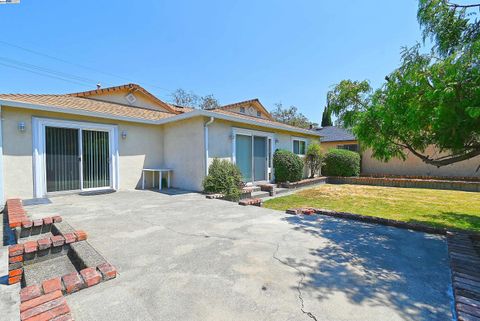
(452, 209)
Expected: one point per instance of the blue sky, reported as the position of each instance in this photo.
(275, 50)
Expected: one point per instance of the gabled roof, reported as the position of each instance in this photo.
(335, 134)
(67, 104)
(129, 87)
(256, 102)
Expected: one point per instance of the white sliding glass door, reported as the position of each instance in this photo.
(74, 156)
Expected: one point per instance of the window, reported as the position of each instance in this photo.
(242, 110)
(299, 147)
(351, 147)
(259, 114)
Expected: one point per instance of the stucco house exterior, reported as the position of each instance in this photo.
(102, 139)
(338, 137)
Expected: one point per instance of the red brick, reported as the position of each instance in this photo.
(15, 259)
(44, 244)
(81, 235)
(73, 282)
(57, 219)
(26, 305)
(14, 250)
(108, 271)
(38, 222)
(57, 240)
(91, 276)
(47, 220)
(30, 292)
(14, 224)
(50, 314)
(27, 223)
(17, 272)
(44, 307)
(14, 279)
(69, 238)
(30, 246)
(52, 285)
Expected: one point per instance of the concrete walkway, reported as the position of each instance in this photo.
(183, 257)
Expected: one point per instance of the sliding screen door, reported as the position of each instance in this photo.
(260, 158)
(62, 159)
(96, 159)
(243, 152)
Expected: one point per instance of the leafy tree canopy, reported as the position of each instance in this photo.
(185, 98)
(431, 99)
(290, 116)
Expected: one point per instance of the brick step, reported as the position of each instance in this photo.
(251, 201)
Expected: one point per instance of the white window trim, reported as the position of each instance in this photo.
(250, 132)
(294, 138)
(39, 172)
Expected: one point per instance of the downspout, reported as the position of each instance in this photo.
(2, 191)
(205, 131)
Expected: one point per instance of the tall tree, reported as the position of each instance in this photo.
(327, 117)
(290, 116)
(185, 98)
(431, 99)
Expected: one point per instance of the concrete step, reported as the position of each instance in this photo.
(260, 194)
(281, 190)
(255, 188)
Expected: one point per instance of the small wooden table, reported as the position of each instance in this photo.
(160, 171)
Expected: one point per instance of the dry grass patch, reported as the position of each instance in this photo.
(453, 209)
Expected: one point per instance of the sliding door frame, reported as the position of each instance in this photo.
(270, 142)
(39, 155)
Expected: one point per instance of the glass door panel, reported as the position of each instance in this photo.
(243, 154)
(96, 159)
(62, 159)
(260, 158)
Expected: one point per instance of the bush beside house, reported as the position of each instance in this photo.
(288, 166)
(314, 159)
(223, 177)
(340, 162)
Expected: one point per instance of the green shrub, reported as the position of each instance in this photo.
(288, 166)
(223, 177)
(340, 162)
(314, 159)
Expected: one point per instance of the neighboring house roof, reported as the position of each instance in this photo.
(98, 108)
(86, 104)
(335, 134)
(128, 87)
(256, 102)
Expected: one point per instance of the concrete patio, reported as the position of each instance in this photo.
(183, 257)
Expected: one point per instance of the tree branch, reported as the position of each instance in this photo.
(442, 161)
(454, 5)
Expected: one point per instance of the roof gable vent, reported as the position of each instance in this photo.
(131, 98)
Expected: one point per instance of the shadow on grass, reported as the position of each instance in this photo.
(377, 266)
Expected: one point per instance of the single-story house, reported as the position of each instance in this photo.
(104, 138)
(338, 137)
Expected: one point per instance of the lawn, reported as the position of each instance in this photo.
(453, 209)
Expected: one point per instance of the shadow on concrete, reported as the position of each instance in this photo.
(378, 266)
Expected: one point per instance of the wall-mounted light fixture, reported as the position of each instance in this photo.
(21, 126)
(124, 134)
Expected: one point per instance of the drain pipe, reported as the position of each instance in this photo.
(205, 131)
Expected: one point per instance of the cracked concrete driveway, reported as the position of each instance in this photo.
(183, 257)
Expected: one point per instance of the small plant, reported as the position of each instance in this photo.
(288, 166)
(223, 177)
(314, 159)
(340, 162)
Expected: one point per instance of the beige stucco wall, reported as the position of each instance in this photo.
(220, 142)
(143, 147)
(413, 166)
(184, 152)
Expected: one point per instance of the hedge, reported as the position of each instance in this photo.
(288, 166)
(341, 162)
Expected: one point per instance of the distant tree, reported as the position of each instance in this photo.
(185, 98)
(327, 117)
(290, 116)
(431, 99)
